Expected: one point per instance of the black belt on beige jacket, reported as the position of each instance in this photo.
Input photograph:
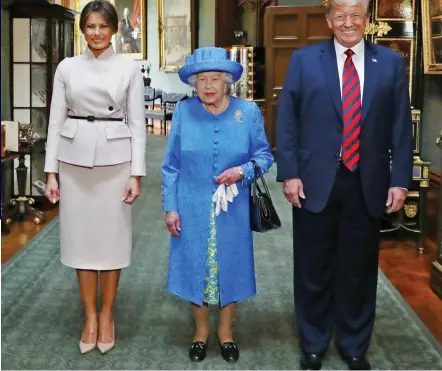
(94, 118)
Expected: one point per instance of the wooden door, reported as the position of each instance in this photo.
(285, 30)
(225, 23)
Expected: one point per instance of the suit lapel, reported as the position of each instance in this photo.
(371, 70)
(330, 69)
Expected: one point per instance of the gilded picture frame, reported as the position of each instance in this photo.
(395, 10)
(404, 46)
(131, 37)
(432, 36)
(176, 32)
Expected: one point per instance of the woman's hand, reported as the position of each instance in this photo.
(132, 190)
(229, 176)
(52, 192)
(173, 223)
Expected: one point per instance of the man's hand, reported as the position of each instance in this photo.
(293, 191)
(396, 199)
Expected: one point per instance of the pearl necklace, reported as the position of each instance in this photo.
(223, 106)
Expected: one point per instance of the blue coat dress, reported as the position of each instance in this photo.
(200, 147)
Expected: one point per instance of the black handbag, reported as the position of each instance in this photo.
(263, 216)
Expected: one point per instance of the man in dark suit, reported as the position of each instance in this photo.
(343, 113)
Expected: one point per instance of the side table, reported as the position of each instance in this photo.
(23, 204)
(5, 216)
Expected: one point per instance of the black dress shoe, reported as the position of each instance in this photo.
(357, 363)
(197, 351)
(311, 361)
(230, 351)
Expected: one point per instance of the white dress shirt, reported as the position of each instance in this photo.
(358, 61)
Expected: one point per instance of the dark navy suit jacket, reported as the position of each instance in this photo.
(309, 125)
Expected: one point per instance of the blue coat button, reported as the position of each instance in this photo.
(216, 141)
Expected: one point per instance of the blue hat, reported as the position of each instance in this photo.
(209, 59)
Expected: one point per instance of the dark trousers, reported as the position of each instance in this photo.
(336, 265)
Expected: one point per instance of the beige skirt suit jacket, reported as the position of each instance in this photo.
(95, 159)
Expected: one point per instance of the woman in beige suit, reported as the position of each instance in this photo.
(96, 143)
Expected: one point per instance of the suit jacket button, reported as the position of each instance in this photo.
(111, 108)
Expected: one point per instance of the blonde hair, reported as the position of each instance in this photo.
(334, 3)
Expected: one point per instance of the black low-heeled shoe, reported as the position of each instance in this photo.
(230, 351)
(357, 363)
(197, 351)
(311, 361)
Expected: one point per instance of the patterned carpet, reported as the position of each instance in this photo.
(42, 315)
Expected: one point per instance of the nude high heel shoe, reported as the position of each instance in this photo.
(87, 347)
(106, 347)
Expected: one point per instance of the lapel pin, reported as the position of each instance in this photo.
(374, 60)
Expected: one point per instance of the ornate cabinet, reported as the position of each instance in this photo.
(251, 84)
(41, 35)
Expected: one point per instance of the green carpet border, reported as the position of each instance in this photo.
(410, 312)
(30, 245)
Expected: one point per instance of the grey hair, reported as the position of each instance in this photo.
(334, 3)
(228, 79)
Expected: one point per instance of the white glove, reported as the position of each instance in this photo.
(219, 197)
(223, 195)
(231, 192)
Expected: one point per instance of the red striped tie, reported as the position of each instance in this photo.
(352, 112)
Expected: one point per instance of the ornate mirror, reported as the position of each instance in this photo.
(432, 36)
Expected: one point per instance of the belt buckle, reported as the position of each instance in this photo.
(90, 118)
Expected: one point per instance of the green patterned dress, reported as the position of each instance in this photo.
(211, 284)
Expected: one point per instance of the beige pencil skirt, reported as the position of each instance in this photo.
(95, 224)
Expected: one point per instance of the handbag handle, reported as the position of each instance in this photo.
(257, 171)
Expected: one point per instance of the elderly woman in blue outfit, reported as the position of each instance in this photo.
(207, 171)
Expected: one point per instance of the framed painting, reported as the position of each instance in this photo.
(176, 31)
(432, 36)
(131, 37)
(404, 46)
(395, 10)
